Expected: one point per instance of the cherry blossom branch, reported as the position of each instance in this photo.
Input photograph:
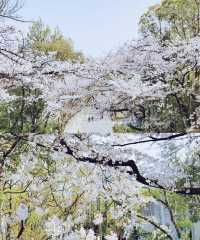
(152, 139)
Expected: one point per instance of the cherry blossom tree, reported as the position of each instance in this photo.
(73, 185)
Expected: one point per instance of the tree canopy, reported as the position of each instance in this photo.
(42, 38)
(172, 19)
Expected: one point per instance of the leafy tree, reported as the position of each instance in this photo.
(172, 19)
(41, 38)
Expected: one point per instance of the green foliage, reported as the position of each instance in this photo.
(121, 128)
(171, 19)
(22, 116)
(41, 38)
(182, 209)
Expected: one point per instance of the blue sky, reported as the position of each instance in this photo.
(95, 26)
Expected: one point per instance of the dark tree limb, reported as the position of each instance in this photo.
(21, 229)
(134, 171)
(152, 139)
